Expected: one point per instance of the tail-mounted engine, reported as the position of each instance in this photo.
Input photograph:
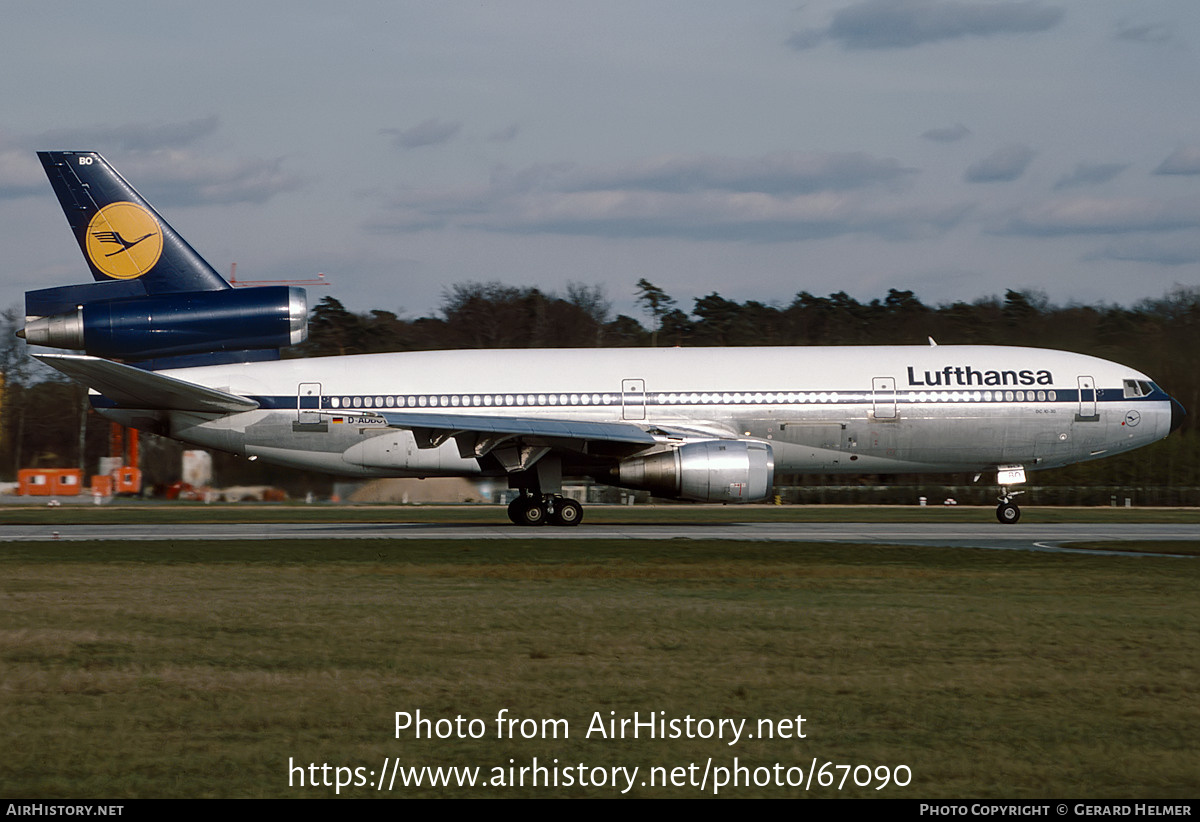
(168, 325)
(711, 471)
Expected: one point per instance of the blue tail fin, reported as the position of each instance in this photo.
(122, 237)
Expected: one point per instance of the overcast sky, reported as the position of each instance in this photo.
(956, 148)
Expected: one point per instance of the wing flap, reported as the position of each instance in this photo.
(135, 388)
(448, 425)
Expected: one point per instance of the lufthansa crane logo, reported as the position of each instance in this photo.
(124, 240)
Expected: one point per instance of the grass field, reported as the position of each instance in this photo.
(201, 669)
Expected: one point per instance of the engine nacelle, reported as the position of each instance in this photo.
(711, 471)
(168, 325)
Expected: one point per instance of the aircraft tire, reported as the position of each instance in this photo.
(514, 508)
(1008, 513)
(567, 512)
(531, 512)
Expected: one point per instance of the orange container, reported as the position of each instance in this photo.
(49, 482)
(129, 480)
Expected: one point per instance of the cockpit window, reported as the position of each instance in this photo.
(1133, 389)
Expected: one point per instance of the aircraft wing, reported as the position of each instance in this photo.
(517, 442)
(435, 428)
(135, 388)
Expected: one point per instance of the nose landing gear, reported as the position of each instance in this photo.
(1007, 511)
(1006, 477)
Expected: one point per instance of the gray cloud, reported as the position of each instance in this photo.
(20, 172)
(505, 135)
(1003, 165)
(710, 216)
(1101, 215)
(778, 173)
(1153, 33)
(1159, 251)
(948, 134)
(129, 136)
(180, 178)
(1086, 174)
(429, 133)
(1184, 160)
(882, 24)
(776, 197)
(807, 39)
(156, 155)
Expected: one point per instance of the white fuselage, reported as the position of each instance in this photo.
(868, 409)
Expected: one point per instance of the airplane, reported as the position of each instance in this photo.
(170, 348)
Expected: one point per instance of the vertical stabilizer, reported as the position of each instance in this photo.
(122, 237)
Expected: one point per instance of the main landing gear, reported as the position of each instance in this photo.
(541, 501)
(1007, 511)
(540, 509)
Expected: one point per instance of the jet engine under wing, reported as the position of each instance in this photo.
(432, 429)
(134, 388)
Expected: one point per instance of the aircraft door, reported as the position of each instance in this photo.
(308, 402)
(633, 399)
(883, 397)
(1087, 400)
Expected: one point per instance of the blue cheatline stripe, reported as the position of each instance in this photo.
(690, 399)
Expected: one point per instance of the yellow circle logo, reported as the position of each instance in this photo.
(124, 241)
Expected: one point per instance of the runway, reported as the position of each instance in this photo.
(993, 536)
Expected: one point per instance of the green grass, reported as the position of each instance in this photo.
(200, 669)
(1190, 548)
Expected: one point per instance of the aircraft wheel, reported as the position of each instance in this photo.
(1008, 513)
(531, 512)
(567, 512)
(514, 510)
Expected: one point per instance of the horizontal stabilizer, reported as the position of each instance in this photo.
(528, 426)
(131, 387)
(46, 302)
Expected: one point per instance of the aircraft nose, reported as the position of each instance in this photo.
(1178, 414)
